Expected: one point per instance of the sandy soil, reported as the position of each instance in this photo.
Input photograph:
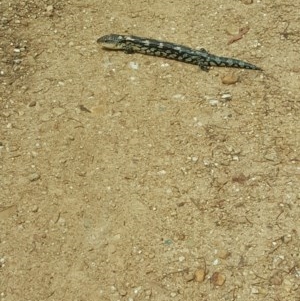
(129, 177)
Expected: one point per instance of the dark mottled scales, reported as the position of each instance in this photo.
(202, 58)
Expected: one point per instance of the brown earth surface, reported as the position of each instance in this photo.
(130, 177)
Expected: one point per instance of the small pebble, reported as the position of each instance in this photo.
(189, 277)
(181, 258)
(195, 159)
(34, 177)
(49, 10)
(286, 239)
(46, 117)
(226, 97)
(223, 254)
(200, 275)
(213, 102)
(59, 111)
(32, 103)
(178, 97)
(216, 261)
(231, 30)
(230, 79)
(35, 208)
(122, 292)
(271, 155)
(217, 279)
(254, 290)
(2, 262)
(134, 65)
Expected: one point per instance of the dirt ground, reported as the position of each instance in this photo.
(131, 177)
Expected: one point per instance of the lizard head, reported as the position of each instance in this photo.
(111, 41)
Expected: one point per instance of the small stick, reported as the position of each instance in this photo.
(241, 33)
